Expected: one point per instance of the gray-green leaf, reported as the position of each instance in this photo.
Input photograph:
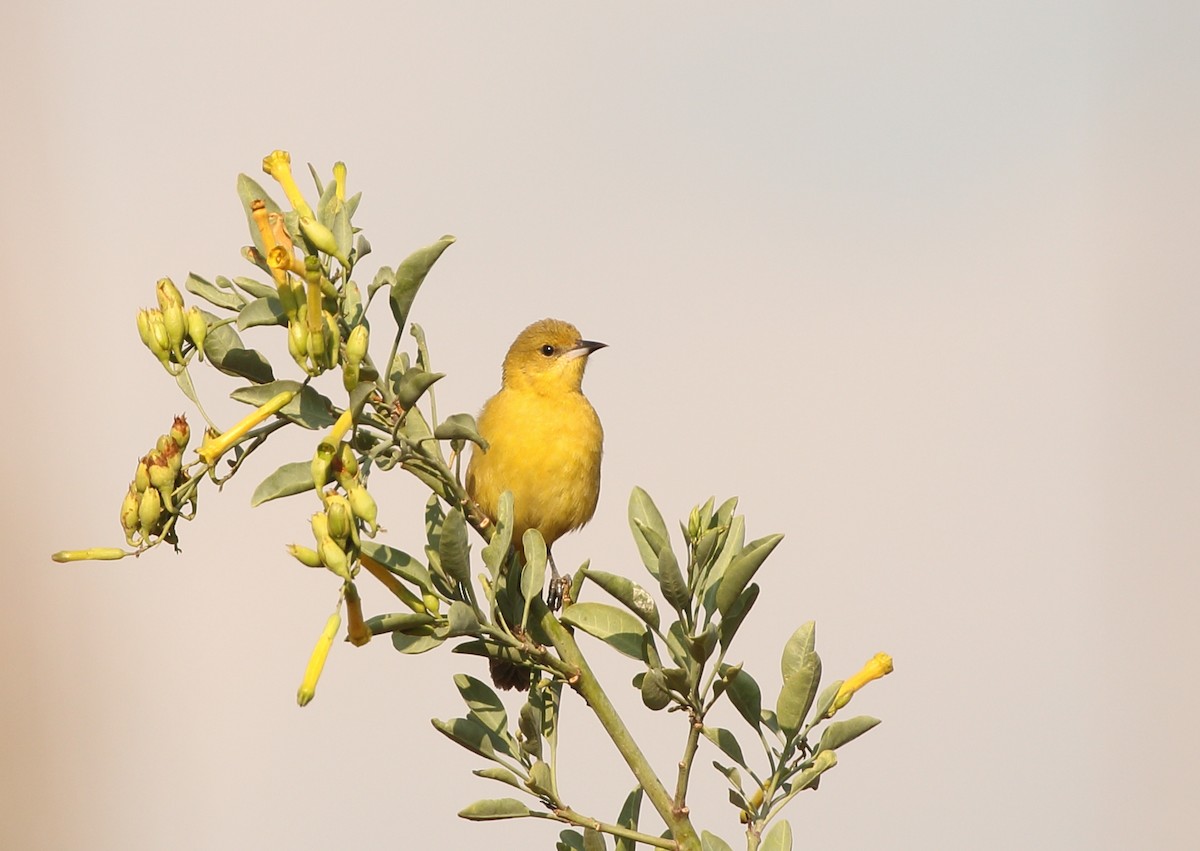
(492, 809)
(615, 627)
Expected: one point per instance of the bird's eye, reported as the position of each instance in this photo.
(547, 350)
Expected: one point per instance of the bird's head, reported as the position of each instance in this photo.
(549, 355)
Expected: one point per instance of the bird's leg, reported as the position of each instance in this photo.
(554, 592)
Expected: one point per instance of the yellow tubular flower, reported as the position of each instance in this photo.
(316, 662)
(278, 164)
(214, 447)
(393, 584)
(356, 628)
(262, 220)
(93, 554)
(879, 665)
(339, 181)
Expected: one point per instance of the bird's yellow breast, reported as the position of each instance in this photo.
(545, 448)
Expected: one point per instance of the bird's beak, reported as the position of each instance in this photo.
(584, 348)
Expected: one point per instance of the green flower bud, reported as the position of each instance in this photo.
(161, 475)
(160, 341)
(341, 518)
(320, 526)
(129, 512)
(167, 294)
(181, 432)
(306, 556)
(364, 507)
(332, 338)
(141, 478)
(298, 343)
(143, 326)
(176, 325)
(321, 237)
(149, 512)
(334, 557)
(350, 376)
(197, 329)
(356, 345)
(345, 466)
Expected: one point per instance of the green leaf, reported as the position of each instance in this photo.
(670, 579)
(292, 478)
(742, 569)
(352, 306)
(746, 697)
(840, 732)
(643, 510)
(702, 645)
(411, 274)
(453, 549)
(593, 840)
(653, 686)
(412, 385)
(541, 781)
(533, 574)
(825, 700)
(397, 562)
(308, 408)
(801, 668)
(778, 838)
(459, 427)
(731, 774)
(633, 596)
(224, 348)
(712, 842)
(615, 627)
(727, 742)
(385, 277)
(413, 644)
(496, 551)
(262, 311)
(255, 288)
(630, 814)
(469, 733)
(731, 547)
(801, 643)
(184, 380)
(493, 809)
(569, 840)
(737, 614)
(483, 703)
(210, 293)
(249, 191)
(461, 620)
(496, 772)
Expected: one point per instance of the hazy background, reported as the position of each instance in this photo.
(918, 282)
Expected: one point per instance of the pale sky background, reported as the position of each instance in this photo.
(918, 282)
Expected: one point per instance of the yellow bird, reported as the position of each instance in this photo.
(544, 438)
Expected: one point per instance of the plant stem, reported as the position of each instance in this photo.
(588, 687)
(685, 764)
(571, 817)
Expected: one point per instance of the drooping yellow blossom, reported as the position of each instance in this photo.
(316, 662)
(93, 554)
(392, 583)
(879, 665)
(278, 164)
(356, 627)
(216, 446)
